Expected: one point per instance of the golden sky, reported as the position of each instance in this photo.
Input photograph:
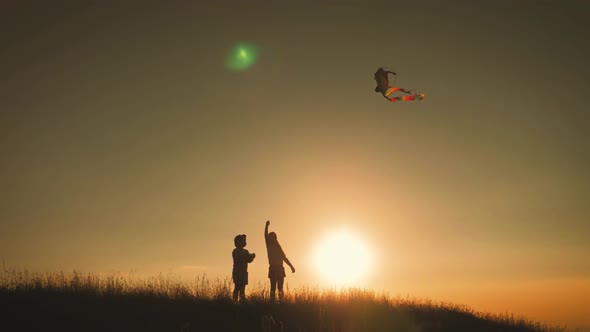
(126, 144)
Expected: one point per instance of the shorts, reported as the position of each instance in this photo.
(240, 278)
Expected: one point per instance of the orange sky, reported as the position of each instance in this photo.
(125, 144)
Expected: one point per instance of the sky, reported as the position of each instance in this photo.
(127, 144)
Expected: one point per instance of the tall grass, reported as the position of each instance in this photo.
(79, 301)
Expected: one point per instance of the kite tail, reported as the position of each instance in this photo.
(408, 98)
(391, 90)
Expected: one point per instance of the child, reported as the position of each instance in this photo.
(241, 258)
(276, 256)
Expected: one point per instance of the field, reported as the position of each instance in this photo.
(77, 301)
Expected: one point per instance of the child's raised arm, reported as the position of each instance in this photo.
(266, 229)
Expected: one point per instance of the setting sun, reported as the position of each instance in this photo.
(342, 258)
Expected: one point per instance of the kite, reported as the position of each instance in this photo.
(383, 87)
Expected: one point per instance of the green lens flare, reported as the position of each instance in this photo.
(242, 56)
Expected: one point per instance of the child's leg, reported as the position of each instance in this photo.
(242, 293)
(273, 288)
(236, 292)
(280, 282)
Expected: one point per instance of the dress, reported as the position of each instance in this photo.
(276, 270)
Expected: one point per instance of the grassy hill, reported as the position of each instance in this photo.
(90, 302)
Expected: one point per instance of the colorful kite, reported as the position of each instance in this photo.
(382, 79)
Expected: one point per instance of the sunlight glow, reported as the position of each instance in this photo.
(343, 259)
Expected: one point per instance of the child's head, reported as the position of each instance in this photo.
(240, 241)
(273, 236)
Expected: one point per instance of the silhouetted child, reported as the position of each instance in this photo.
(241, 258)
(276, 256)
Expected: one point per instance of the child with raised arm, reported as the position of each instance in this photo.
(276, 256)
(241, 258)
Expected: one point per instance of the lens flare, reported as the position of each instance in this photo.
(242, 56)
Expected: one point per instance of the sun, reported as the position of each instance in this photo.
(343, 259)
